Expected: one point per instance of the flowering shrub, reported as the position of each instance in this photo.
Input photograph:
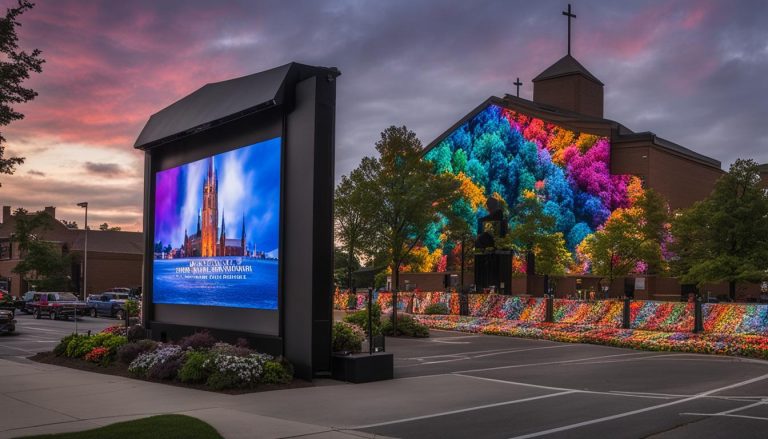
(115, 330)
(198, 340)
(347, 337)
(80, 345)
(231, 371)
(147, 360)
(98, 355)
(128, 352)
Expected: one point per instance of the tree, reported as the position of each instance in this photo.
(403, 197)
(42, 262)
(552, 257)
(104, 227)
(724, 238)
(531, 230)
(352, 227)
(631, 240)
(69, 224)
(342, 271)
(15, 67)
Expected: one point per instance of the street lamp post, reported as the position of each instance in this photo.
(85, 259)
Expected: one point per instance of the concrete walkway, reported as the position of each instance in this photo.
(39, 398)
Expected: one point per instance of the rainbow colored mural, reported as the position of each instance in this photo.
(509, 155)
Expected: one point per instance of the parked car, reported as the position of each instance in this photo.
(7, 303)
(25, 300)
(108, 304)
(7, 321)
(56, 305)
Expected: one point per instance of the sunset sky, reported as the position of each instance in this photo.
(693, 72)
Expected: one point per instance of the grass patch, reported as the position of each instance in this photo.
(155, 427)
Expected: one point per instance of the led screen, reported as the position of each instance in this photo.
(508, 155)
(216, 235)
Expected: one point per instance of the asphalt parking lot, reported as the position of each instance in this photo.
(34, 335)
(519, 388)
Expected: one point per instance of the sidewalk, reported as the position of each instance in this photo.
(39, 398)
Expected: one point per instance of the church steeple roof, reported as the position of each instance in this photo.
(565, 66)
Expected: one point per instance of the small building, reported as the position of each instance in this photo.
(114, 257)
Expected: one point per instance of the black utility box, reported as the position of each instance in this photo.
(363, 368)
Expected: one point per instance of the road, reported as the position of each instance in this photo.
(34, 335)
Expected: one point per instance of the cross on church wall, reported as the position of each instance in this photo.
(517, 84)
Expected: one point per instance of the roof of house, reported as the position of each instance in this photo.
(565, 66)
(107, 241)
(220, 102)
(579, 123)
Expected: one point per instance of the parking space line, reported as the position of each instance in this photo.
(482, 352)
(760, 418)
(539, 386)
(642, 410)
(453, 412)
(462, 357)
(577, 360)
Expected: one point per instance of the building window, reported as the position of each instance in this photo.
(6, 249)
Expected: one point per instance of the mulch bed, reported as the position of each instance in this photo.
(121, 370)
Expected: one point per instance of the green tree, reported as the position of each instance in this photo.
(631, 238)
(532, 230)
(15, 67)
(402, 197)
(341, 270)
(552, 257)
(724, 238)
(42, 262)
(353, 229)
(104, 227)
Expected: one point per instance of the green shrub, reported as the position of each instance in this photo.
(61, 348)
(195, 369)
(360, 318)
(347, 337)
(277, 372)
(220, 381)
(78, 346)
(437, 309)
(407, 326)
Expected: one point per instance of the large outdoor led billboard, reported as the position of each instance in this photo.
(217, 230)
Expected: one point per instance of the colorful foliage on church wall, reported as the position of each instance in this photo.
(512, 156)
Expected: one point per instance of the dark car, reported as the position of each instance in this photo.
(108, 304)
(7, 303)
(7, 322)
(25, 300)
(56, 305)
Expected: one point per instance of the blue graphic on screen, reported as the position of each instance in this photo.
(217, 224)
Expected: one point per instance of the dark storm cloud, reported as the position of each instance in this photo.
(692, 71)
(106, 169)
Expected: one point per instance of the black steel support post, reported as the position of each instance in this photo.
(463, 302)
(626, 315)
(370, 320)
(550, 298)
(698, 324)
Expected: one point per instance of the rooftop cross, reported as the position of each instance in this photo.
(517, 84)
(569, 15)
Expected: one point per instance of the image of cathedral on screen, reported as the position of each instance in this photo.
(226, 205)
(210, 239)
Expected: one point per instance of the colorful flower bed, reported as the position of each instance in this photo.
(732, 318)
(197, 359)
(724, 344)
(602, 313)
(422, 300)
(661, 316)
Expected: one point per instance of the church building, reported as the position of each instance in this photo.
(560, 148)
